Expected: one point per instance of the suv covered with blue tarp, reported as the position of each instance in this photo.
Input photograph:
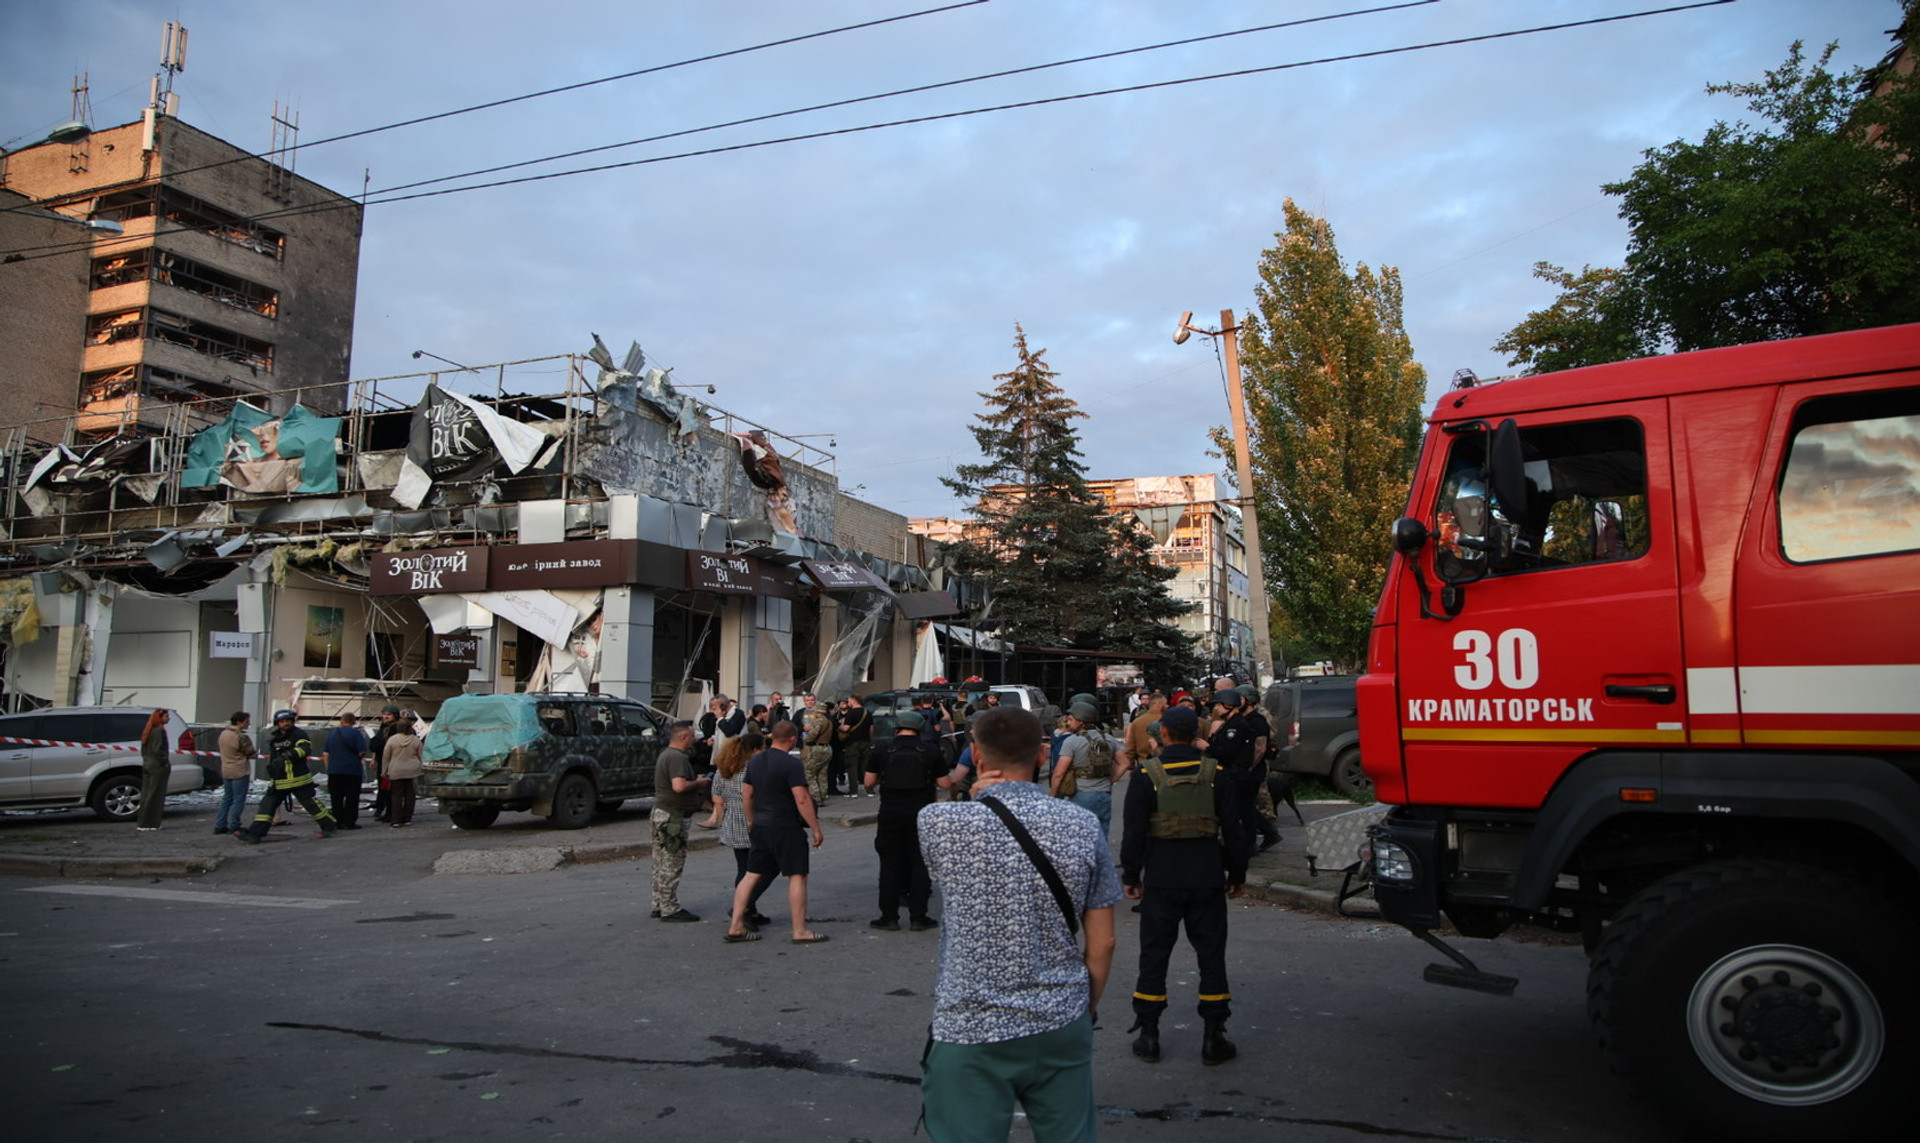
(559, 755)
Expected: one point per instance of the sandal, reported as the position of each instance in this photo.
(811, 939)
(740, 938)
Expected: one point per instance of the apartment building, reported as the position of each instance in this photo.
(232, 278)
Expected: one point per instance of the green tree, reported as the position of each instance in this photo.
(1333, 410)
(1060, 572)
(1805, 222)
(1598, 317)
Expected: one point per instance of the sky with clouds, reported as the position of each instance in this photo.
(863, 286)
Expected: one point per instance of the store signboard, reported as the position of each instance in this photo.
(739, 575)
(571, 564)
(456, 651)
(428, 571)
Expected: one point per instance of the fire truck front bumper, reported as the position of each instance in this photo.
(1405, 864)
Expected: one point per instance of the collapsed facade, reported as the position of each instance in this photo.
(611, 534)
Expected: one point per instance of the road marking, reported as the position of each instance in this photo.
(190, 895)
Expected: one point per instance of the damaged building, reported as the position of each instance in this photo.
(433, 534)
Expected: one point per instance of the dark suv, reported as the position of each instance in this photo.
(560, 755)
(1325, 736)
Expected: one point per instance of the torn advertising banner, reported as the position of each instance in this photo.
(254, 451)
(456, 438)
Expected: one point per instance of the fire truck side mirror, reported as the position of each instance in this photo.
(1409, 536)
(1507, 474)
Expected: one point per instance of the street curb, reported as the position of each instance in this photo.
(23, 865)
(1294, 896)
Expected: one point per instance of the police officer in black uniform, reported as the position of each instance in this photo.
(1260, 730)
(1183, 852)
(1233, 743)
(909, 772)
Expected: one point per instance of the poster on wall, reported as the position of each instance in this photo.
(326, 635)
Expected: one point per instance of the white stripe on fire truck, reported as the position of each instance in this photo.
(1828, 689)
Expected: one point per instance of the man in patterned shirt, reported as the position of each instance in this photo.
(1016, 996)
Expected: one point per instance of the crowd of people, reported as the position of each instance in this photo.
(351, 760)
(1011, 822)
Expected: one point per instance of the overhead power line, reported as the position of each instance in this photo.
(564, 88)
(941, 116)
(921, 89)
(945, 115)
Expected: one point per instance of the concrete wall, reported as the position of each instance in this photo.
(43, 301)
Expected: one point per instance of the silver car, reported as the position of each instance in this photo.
(94, 759)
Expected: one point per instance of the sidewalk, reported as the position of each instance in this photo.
(74, 843)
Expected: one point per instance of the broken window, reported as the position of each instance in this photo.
(174, 270)
(174, 329)
(184, 210)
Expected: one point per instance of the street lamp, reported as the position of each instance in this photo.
(73, 132)
(419, 353)
(1228, 337)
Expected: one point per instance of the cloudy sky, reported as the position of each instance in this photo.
(863, 285)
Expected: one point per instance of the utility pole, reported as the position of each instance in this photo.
(1264, 667)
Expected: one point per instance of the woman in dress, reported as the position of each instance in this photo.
(400, 762)
(155, 761)
(729, 765)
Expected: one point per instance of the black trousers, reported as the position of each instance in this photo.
(343, 790)
(1253, 824)
(1204, 913)
(270, 805)
(903, 872)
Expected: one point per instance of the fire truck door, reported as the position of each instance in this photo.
(1569, 640)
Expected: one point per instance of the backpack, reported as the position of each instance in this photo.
(1185, 810)
(1096, 761)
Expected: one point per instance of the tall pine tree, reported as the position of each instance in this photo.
(1333, 409)
(1060, 571)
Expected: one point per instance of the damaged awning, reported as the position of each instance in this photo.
(844, 576)
(925, 604)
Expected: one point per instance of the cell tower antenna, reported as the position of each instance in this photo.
(173, 61)
(81, 155)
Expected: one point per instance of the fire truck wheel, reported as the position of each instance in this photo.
(1761, 1000)
(117, 796)
(573, 802)
(1349, 776)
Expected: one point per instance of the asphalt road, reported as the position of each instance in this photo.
(343, 988)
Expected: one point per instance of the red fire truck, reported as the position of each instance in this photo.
(1647, 667)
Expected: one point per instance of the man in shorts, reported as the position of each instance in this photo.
(781, 824)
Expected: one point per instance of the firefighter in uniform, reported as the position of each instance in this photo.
(1183, 852)
(288, 749)
(909, 771)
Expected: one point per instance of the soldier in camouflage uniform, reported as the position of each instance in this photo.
(816, 750)
(676, 796)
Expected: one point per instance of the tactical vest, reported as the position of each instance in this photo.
(906, 766)
(1096, 761)
(1185, 803)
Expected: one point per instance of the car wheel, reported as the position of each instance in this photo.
(572, 802)
(1349, 776)
(116, 797)
(1761, 1000)
(474, 817)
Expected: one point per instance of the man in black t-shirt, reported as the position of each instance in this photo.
(780, 822)
(909, 772)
